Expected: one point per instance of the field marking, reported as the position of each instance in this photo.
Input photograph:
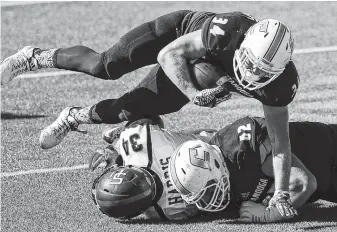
(62, 73)
(39, 171)
(315, 50)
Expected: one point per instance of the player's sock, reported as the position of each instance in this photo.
(45, 58)
(83, 115)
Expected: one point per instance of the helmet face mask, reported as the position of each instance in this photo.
(213, 197)
(263, 54)
(199, 174)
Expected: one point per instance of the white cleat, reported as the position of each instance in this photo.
(111, 134)
(21, 62)
(53, 134)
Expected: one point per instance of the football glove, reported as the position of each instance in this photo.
(257, 213)
(111, 134)
(281, 200)
(106, 158)
(212, 97)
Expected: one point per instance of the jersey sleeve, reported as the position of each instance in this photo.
(283, 89)
(241, 139)
(222, 32)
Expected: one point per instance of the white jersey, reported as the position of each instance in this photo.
(150, 146)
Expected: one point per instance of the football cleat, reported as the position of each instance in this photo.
(21, 62)
(111, 134)
(53, 134)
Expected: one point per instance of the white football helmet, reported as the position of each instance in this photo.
(263, 55)
(200, 175)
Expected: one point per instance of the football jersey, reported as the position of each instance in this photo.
(241, 146)
(147, 145)
(222, 34)
(245, 146)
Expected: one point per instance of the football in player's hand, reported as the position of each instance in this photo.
(205, 75)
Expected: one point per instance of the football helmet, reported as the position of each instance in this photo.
(200, 175)
(263, 55)
(124, 192)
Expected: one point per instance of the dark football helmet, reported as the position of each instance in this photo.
(124, 192)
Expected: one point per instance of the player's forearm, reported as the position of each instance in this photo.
(278, 131)
(175, 67)
(173, 59)
(281, 166)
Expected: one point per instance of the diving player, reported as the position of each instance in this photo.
(256, 55)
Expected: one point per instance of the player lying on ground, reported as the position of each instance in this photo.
(255, 55)
(127, 191)
(236, 166)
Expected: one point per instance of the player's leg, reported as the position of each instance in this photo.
(140, 46)
(137, 48)
(155, 95)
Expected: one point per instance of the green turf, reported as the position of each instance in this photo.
(61, 201)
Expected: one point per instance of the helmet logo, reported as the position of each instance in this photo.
(116, 178)
(263, 27)
(199, 159)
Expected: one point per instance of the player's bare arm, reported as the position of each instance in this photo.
(174, 57)
(277, 120)
(278, 130)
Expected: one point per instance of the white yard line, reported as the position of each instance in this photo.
(39, 171)
(62, 73)
(315, 50)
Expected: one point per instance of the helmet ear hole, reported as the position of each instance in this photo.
(217, 165)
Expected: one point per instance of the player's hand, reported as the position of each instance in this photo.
(106, 158)
(281, 200)
(254, 212)
(212, 97)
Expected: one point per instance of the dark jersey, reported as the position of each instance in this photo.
(245, 146)
(241, 146)
(222, 34)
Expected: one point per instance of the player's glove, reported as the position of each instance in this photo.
(212, 97)
(106, 158)
(111, 134)
(281, 201)
(257, 213)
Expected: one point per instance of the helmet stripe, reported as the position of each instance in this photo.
(274, 46)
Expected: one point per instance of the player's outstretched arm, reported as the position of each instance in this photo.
(174, 57)
(277, 120)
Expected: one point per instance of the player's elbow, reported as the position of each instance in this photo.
(169, 55)
(311, 184)
(307, 185)
(303, 188)
(165, 56)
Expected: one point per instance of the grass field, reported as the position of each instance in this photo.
(60, 200)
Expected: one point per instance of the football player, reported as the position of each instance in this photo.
(256, 55)
(238, 160)
(141, 183)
